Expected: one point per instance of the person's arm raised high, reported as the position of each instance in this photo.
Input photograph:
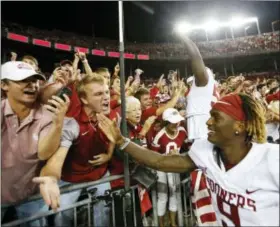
(198, 66)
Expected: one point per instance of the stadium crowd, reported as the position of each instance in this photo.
(54, 129)
(249, 45)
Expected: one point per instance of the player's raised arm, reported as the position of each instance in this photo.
(173, 163)
(198, 67)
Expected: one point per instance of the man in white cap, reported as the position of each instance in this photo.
(30, 135)
(168, 141)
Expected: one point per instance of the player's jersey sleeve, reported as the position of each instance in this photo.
(200, 151)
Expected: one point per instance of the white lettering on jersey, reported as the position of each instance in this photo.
(171, 146)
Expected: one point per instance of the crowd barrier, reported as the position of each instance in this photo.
(83, 209)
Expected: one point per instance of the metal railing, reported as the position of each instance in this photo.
(185, 215)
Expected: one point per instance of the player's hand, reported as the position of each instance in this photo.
(109, 128)
(49, 190)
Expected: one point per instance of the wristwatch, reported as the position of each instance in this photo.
(125, 144)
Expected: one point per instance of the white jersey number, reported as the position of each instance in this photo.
(171, 146)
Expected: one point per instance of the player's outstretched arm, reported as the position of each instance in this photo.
(154, 160)
(173, 163)
(198, 67)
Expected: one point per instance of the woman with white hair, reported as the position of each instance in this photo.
(137, 133)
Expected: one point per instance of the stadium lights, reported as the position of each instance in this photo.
(237, 22)
(183, 27)
(212, 25)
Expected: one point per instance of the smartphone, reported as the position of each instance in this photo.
(63, 91)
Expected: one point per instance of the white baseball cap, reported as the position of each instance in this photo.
(18, 70)
(172, 115)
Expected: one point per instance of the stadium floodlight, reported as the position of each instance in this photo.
(183, 27)
(237, 22)
(251, 19)
(211, 25)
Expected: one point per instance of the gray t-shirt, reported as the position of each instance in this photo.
(70, 132)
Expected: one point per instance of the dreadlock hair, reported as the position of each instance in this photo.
(255, 119)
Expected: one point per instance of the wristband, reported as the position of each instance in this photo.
(125, 144)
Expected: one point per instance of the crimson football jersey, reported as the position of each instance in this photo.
(163, 143)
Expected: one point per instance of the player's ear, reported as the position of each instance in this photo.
(239, 127)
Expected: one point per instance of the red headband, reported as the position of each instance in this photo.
(232, 106)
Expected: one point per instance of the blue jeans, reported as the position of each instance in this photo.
(28, 209)
(100, 213)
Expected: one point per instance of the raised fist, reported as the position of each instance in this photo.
(82, 56)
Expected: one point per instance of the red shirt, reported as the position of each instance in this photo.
(75, 103)
(151, 111)
(273, 97)
(114, 104)
(154, 91)
(150, 136)
(91, 142)
(114, 95)
(163, 143)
